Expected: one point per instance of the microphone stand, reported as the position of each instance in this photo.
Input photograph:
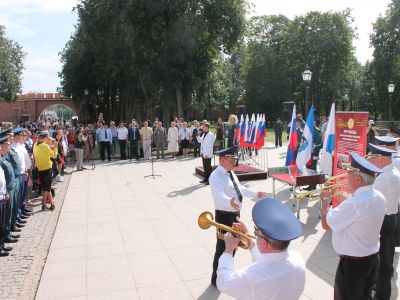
(152, 164)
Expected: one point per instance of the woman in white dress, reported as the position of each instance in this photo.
(172, 141)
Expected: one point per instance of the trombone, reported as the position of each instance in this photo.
(316, 192)
(206, 220)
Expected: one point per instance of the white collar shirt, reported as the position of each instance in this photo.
(122, 133)
(223, 191)
(388, 183)
(356, 223)
(21, 155)
(184, 133)
(271, 276)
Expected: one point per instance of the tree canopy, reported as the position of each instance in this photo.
(11, 66)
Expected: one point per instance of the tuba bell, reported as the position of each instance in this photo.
(206, 220)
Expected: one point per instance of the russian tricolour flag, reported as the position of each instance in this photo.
(293, 141)
(329, 145)
(304, 155)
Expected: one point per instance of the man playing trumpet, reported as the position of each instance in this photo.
(355, 225)
(273, 267)
(228, 194)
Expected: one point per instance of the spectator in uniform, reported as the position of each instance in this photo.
(3, 198)
(228, 194)
(274, 266)
(355, 225)
(278, 128)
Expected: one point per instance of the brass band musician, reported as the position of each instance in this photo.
(356, 224)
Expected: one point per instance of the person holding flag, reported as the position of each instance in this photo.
(304, 155)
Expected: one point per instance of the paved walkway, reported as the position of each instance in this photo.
(122, 236)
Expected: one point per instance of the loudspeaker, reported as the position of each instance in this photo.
(287, 109)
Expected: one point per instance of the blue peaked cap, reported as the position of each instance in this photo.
(363, 165)
(18, 130)
(381, 150)
(6, 131)
(386, 140)
(232, 151)
(276, 220)
(3, 140)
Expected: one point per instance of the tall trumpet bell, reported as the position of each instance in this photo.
(316, 192)
(206, 220)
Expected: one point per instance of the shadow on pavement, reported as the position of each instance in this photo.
(210, 293)
(185, 191)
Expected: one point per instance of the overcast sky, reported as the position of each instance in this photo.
(42, 27)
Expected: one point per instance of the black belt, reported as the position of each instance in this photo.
(357, 257)
(227, 212)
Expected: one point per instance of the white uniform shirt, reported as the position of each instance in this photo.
(272, 276)
(388, 183)
(206, 144)
(356, 223)
(122, 133)
(21, 156)
(3, 190)
(222, 189)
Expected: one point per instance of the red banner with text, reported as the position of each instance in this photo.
(350, 136)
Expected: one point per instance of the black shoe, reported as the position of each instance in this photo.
(16, 230)
(19, 225)
(7, 249)
(28, 211)
(207, 183)
(23, 217)
(10, 240)
(44, 207)
(83, 168)
(204, 181)
(15, 236)
(3, 253)
(22, 221)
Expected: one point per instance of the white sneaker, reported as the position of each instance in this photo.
(59, 178)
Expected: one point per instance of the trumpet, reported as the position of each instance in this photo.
(316, 192)
(336, 177)
(206, 220)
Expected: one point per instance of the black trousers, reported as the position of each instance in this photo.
(3, 209)
(386, 255)
(122, 148)
(105, 146)
(355, 277)
(196, 149)
(207, 167)
(134, 149)
(278, 139)
(226, 218)
(397, 231)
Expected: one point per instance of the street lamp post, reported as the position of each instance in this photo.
(307, 74)
(390, 87)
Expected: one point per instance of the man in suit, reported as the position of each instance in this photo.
(133, 138)
(206, 141)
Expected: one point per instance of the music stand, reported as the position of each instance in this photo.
(152, 165)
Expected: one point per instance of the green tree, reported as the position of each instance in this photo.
(11, 66)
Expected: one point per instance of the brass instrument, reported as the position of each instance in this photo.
(206, 220)
(371, 156)
(316, 192)
(336, 177)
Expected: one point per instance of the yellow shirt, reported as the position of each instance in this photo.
(43, 154)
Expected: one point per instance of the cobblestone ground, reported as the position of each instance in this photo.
(20, 272)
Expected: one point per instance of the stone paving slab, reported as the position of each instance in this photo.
(122, 236)
(20, 271)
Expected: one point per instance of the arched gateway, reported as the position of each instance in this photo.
(29, 106)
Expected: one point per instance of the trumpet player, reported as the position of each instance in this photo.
(273, 267)
(355, 225)
(228, 194)
(388, 183)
